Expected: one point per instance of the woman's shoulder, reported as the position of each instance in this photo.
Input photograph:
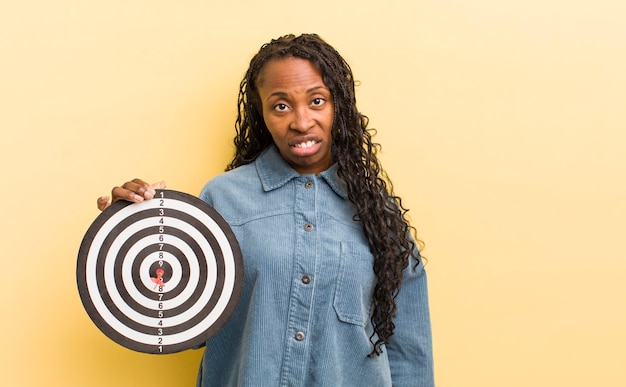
(237, 179)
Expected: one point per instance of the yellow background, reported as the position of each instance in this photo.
(503, 128)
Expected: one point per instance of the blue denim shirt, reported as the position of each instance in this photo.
(303, 318)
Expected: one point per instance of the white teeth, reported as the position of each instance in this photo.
(305, 144)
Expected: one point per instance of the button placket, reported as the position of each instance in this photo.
(305, 260)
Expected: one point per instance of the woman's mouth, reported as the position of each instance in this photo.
(306, 148)
(306, 144)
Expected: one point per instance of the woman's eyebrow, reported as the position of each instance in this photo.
(283, 94)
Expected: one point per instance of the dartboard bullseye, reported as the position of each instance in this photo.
(160, 276)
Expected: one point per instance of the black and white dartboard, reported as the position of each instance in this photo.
(160, 276)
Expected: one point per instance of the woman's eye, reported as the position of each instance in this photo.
(317, 102)
(281, 107)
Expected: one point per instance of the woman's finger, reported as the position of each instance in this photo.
(135, 191)
(103, 203)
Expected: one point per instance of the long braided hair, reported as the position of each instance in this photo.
(390, 237)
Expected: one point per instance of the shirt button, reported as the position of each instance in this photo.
(299, 336)
(306, 279)
(308, 184)
(308, 227)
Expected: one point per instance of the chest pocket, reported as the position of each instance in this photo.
(355, 284)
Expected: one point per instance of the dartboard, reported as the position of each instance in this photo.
(160, 276)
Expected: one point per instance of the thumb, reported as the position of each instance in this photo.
(159, 185)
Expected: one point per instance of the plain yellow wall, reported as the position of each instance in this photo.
(503, 128)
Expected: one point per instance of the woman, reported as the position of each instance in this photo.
(335, 290)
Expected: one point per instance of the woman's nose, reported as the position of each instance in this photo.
(302, 120)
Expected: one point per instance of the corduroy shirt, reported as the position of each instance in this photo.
(303, 318)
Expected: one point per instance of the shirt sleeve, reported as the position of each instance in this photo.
(410, 348)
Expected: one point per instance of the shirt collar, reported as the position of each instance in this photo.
(274, 172)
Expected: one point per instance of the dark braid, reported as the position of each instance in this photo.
(380, 212)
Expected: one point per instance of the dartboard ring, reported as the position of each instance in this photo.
(161, 276)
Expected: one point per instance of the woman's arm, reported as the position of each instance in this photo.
(410, 349)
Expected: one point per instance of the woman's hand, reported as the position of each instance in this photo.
(135, 191)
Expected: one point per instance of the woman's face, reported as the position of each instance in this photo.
(298, 111)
